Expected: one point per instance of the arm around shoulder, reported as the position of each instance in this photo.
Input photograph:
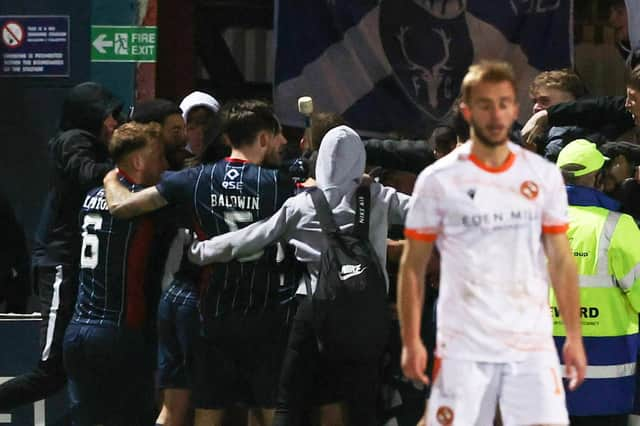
(244, 242)
(125, 204)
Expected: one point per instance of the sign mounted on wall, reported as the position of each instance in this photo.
(34, 46)
(110, 43)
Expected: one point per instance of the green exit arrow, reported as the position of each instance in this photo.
(111, 43)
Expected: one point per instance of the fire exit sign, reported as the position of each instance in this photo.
(110, 43)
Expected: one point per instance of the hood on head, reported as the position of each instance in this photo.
(340, 163)
(195, 99)
(86, 106)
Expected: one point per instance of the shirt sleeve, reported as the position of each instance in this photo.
(81, 163)
(244, 242)
(178, 187)
(424, 218)
(555, 213)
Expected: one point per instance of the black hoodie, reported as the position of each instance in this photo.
(79, 161)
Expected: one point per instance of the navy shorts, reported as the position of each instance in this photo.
(110, 373)
(239, 360)
(178, 328)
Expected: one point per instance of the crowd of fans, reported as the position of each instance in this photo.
(140, 334)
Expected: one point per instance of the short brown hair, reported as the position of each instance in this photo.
(321, 123)
(564, 79)
(634, 78)
(242, 120)
(487, 71)
(132, 136)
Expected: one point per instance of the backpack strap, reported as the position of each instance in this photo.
(323, 210)
(363, 209)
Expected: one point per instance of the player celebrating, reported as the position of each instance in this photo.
(244, 305)
(494, 211)
(107, 346)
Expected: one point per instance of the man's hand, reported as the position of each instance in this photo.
(125, 204)
(575, 362)
(112, 176)
(538, 124)
(414, 362)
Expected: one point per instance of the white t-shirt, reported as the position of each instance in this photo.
(487, 224)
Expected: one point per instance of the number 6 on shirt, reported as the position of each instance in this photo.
(90, 241)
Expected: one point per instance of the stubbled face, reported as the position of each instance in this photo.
(109, 125)
(173, 132)
(491, 111)
(274, 149)
(154, 162)
(544, 97)
(618, 20)
(632, 104)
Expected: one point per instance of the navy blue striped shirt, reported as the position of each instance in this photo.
(114, 285)
(228, 195)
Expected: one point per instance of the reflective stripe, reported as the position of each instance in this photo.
(608, 371)
(605, 241)
(53, 313)
(593, 281)
(627, 281)
(603, 278)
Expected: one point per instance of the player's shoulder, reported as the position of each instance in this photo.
(96, 192)
(95, 200)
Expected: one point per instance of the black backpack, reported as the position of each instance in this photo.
(350, 312)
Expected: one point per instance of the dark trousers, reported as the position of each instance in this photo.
(178, 327)
(309, 378)
(110, 373)
(615, 420)
(58, 290)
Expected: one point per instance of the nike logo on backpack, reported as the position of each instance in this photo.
(350, 271)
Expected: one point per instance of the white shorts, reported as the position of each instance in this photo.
(530, 392)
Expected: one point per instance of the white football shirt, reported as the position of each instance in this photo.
(487, 224)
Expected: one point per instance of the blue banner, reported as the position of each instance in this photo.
(397, 65)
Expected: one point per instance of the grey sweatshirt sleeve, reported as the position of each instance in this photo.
(398, 203)
(243, 242)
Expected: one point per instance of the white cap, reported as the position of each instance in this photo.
(196, 99)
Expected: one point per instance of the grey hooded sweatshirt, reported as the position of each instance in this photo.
(340, 166)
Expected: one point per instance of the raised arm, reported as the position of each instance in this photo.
(413, 266)
(80, 161)
(125, 204)
(564, 278)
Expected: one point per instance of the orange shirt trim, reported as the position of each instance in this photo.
(555, 229)
(412, 234)
(504, 167)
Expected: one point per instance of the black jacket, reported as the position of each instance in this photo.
(606, 115)
(79, 161)
(406, 155)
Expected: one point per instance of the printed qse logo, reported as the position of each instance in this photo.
(444, 415)
(529, 189)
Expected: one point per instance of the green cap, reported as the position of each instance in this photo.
(583, 153)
